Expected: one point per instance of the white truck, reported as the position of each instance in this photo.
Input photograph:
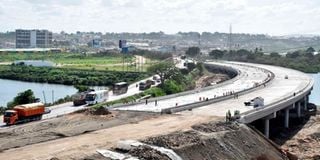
(256, 102)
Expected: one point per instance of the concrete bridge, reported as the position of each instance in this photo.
(282, 89)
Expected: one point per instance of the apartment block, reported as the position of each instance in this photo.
(33, 38)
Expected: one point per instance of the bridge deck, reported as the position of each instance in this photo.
(278, 89)
(247, 79)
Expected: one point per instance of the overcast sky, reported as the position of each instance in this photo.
(273, 17)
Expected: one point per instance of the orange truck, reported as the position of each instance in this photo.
(24, 113)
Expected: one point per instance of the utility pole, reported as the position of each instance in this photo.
(230, 38)
(52, 96)
(44, 96)
(199, 40)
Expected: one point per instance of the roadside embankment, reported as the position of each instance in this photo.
(210, 141)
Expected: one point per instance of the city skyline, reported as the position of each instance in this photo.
(246, 16)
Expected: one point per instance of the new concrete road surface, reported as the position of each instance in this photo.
(248, 77)
(274, 91)
(278, 89)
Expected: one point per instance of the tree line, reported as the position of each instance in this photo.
(68, 76)
(304, 60)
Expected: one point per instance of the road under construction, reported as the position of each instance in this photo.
(282, 90)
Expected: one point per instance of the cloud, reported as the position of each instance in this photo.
(247, 16)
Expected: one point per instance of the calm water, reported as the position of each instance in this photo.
(10, 88)
(315, 94)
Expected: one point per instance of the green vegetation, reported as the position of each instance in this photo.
(175, 81)
(63, 58)
(81, 88)
(68, 76)
(303, 60)
(22, 98)
(60, 101)
(100, 61)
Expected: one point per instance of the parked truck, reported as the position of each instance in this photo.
(24, 113)
(145, 85)
(256, 102)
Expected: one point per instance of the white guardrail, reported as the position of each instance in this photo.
(260, 112)
(221, 98)
(238, 76)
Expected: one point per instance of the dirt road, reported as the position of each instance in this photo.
(66, 126)
(86, 144)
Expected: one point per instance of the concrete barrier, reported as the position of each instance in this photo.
(238, 76)
(252, 115)
(220, 98)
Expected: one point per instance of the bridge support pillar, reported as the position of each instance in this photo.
(305, 103)
(293, 105)
(299, 110)
(286, 117)
(266, 127)
(267, 123)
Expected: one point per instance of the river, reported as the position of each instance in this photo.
(315, 94)
(10, 88)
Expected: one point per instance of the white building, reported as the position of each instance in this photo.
(33, 38)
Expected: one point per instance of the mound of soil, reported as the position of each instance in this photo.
(316, 136)
(215, 127)
(97, 112)
(305, 143)
(66, 126)
(175, 139)
(148, 153)
(221, 141)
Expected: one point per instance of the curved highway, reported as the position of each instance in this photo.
(278, 89)
(247, 78)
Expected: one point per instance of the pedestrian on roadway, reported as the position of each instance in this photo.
(156, 102)
(146, 101)
(199, 98)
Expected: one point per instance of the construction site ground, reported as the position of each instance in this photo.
(304, 139)
(66, 126)
(67, 141)
(210, 79)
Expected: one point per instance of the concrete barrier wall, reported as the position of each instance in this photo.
(221, 98)
(252, 115)
(235, 71)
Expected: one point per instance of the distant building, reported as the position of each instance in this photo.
(167, 49)
(33, 38)
(97, 43)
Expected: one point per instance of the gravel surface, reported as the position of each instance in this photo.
(66, 126)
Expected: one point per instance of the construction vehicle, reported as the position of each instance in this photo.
(120, 88)
(145, 85)
(256, 102)
(24, 113)
(79, 98)
(95, 97)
